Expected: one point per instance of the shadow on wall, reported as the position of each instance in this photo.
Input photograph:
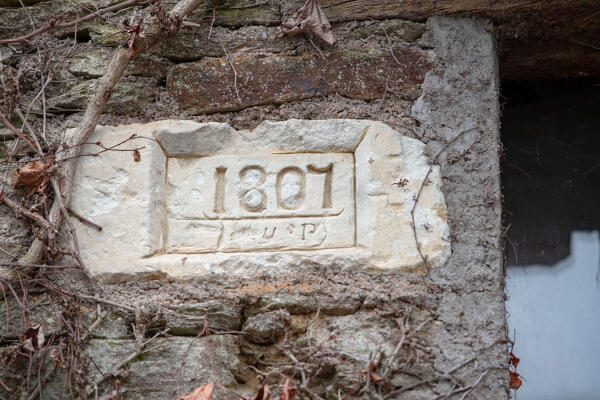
(551, 169)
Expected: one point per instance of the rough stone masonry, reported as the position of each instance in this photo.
(335, 142)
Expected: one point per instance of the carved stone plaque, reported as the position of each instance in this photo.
(207, 200)
(269, 202)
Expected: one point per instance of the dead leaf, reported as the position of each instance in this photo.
(514, 361)
(137, 157)
(33, 175)
(134, 33)
(372, 375)
(33, 339)
(309, 18)
(201, 393)
(289, 392)
(515, 381)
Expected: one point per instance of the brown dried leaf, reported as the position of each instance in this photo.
(33, 175)
(33, 339)
(202, 393)
(137, 157)
(134, 33)
(309, 18)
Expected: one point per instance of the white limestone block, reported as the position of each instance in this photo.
(207, 201)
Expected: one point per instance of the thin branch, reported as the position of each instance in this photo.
(84, 220)
(390, 44)
(423, 183)
(85, 297)
(7, 252)
(12, 153)
(445, 376)
(19, 209)
(75, 247)
(52, 24)
(10, 126)
(97, 322)
(235, 74)
(140, 349)
(42, 266)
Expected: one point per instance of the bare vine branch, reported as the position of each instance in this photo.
(165, 25)
(53, 23)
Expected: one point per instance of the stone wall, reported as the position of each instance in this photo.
(429, 80)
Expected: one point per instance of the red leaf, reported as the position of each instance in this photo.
(289, 392)
(137, 157)
(515, 381)
(201, 393)
(372, 375)
(513, 360)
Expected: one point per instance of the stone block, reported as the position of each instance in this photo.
(189, 319)
(14, 321)
(239, 13)
(207, 201)
(112, 326)
(175, 365)
(129, 96)
(92, 64)
(18, 18)
(211, 85)
(267, 327)
(294, 303)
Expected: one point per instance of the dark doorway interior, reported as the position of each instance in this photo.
(551, 167)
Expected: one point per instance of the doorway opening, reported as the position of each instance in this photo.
(551, 184)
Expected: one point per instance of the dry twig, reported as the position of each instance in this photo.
(423, 183)
(53, 23)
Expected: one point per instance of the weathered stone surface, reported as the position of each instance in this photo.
(207, 201)
(361, 334)
(106, 35)
(112, 326)
(176, 365)
(239, 13)
(17, 3)
(211, 85)
(296, 303)
(189, 319)
(16, 19)
(129, 95)
(92, 64)
(266, 327)
(14, 321)
(193, 43)
(394, 29)
(380, 9)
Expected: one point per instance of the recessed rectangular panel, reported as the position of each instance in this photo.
(265, 202)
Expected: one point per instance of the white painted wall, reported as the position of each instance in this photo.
(555, 311)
